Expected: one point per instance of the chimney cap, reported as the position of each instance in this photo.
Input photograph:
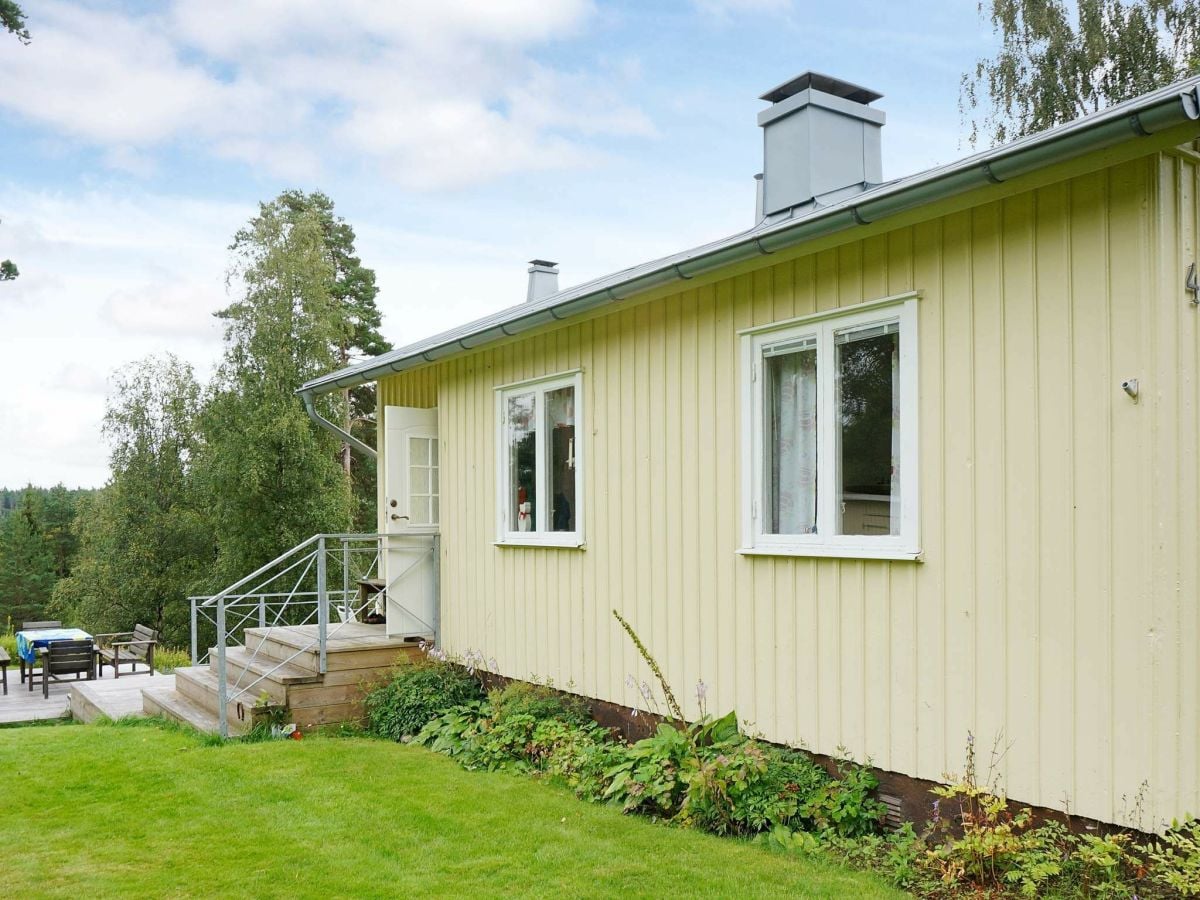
(826, 83)
(542, 263)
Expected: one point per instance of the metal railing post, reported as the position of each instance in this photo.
(437, 591)
(262, 610)
(195, 639)
(345, 580)
(222, 681)
(322, 602)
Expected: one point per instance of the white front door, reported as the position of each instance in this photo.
(409, 519)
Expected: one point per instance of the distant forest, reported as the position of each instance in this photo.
(38, 546)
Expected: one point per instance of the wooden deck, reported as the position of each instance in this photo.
(112, 697)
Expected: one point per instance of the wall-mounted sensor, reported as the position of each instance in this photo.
(1130, 386)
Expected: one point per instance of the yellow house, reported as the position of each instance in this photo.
(902, 462)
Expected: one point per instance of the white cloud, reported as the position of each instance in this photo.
(82, 379)
(169, 310)
(106, 278)
(438, 93)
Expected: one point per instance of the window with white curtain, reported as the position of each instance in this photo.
(830, 434)
(540, 462)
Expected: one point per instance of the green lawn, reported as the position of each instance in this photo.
(146, 811)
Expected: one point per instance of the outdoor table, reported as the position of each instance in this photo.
(30, 642)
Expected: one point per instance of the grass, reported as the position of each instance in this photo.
(153, 811)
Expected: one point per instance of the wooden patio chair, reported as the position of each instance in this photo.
(27, 669)
(62, 658)
(127, 648)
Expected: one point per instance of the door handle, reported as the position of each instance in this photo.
(397, 518)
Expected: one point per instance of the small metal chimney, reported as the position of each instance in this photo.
(820, 143)
(543, 280)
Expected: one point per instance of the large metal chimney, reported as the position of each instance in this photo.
(820, 143)
(543, 280)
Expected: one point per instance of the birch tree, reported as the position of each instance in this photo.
(1058, 61)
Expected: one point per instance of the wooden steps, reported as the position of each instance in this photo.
(281, 665)
(170, 704)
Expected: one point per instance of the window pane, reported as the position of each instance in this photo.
(868, 384)
(419, 514)
(418, 451)
(790, 409)
(522, 462)
(560, 419)
(418, 480)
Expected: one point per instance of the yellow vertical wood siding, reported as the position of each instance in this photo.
(1055, 607)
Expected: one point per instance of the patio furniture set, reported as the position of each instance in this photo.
(53, 652)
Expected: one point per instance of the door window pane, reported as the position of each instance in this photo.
(522, 461)
(790, 413)
(418, 479)
(419, 511)
(560, 419)
(868, 385)
(422, 481)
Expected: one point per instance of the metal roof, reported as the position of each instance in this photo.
(826, 83)
(1140, 117)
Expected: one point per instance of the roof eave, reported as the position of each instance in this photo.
(1141, 117)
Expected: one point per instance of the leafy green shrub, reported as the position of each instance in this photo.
(456, 731)
(1174, 859)
(580, 756)
(519, 698)
(750, 788)
(1105, 865)
(977, 842)
(898, 856)
(417, 692)
(168, 659)
(844, 806)
(8, 640)
(654, 775)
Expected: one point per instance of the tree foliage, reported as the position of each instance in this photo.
(12, 18)
(8, 268)
(271, 478)
(37, 548)
(144, 539)
(26, 565)
(1058, 60)
(353, 290)
(208, 484)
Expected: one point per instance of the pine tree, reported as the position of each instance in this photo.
(27, 565)
(270, 477)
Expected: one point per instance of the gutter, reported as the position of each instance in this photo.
(1140, 117)
(308, 396)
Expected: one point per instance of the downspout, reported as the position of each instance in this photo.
(311, 409)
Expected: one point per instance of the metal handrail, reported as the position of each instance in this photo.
(309, 553)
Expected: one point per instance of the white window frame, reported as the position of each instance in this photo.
(540, 387)
(901, 309)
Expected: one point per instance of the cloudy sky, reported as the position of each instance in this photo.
(459, 137)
